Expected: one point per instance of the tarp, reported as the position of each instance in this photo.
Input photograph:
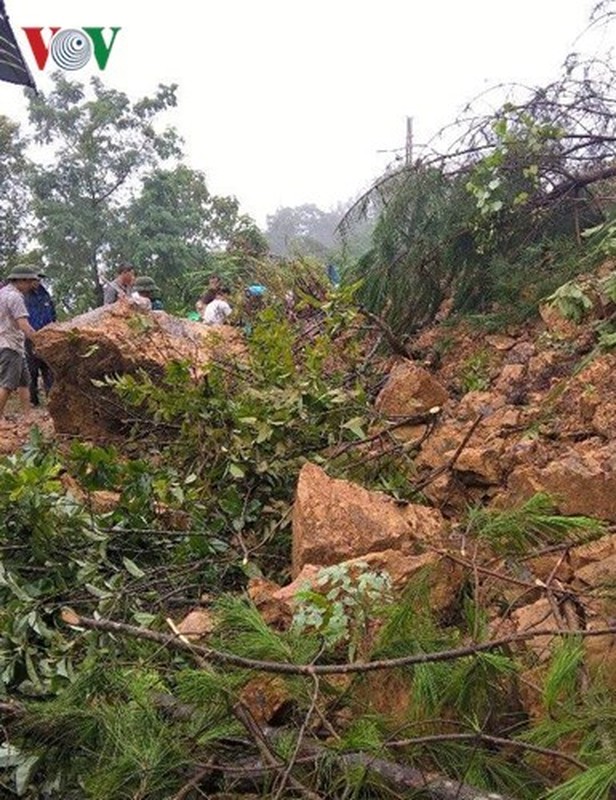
(13, 67)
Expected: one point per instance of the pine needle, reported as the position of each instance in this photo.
(564, 671)
(596, 783)
(534, 524)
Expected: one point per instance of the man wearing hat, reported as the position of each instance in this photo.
(145, 292)
(14, 329)
(41, 311)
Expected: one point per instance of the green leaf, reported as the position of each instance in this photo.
(23, 773)
(102, 594)
(251, 569)
(131, 567)
(236, 471)
(143, 618)
(355, 426)
(10, 756)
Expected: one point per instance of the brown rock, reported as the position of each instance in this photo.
(482, 460)
(307, 577)
(598, 573)
(400, 567)
(334, 520)
(99, 501)
(536, 616)
(475, 403)
(521, 353)
(500, 342)
(550, 565)
(556, 323)
(521, 452)
(582, 481)
(600, 653)
(15, 430)
(103, 501)
(588, 402)
(441, 445)
(387, 693)
(510, 376)
(197, 624)
(483, 464)
(592, 552)
(115, 340)
(444, 576)
(266, 697)
(274, 609)
(410, 390)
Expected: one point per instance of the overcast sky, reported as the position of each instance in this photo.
(283, 102)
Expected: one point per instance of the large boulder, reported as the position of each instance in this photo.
(410, 390)
(582, 480)
(334, 521)
(587, 404)
(115, 340)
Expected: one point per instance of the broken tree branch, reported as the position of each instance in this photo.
(452, 461)
(75, 620)
(243, 715)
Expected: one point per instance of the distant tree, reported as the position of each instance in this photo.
(248, 240)
(101, 144)
(304, 230)
(14, 221)
(175, 223)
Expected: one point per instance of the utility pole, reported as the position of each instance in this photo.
(409, 141)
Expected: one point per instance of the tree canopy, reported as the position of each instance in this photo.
(110, 187)
(13, 190)
(488, 200)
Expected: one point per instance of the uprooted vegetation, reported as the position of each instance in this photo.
(351, 555)
(173, 626)
(491, 215)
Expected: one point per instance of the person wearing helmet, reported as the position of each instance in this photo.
(145, 292)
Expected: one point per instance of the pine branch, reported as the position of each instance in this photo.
(282, 668)
(403, 779)
(429, 419)
(393, 341)
(483, 737)
(400, 777)
(300, 738)
(242, 713)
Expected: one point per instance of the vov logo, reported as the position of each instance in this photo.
(71, 48)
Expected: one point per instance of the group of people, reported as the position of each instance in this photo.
(25, 307)
(213, 306)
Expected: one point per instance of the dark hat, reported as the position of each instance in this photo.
(23, 274)
(145, 284)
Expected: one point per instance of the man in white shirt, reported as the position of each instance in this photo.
(14, 328)
(217, 310)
